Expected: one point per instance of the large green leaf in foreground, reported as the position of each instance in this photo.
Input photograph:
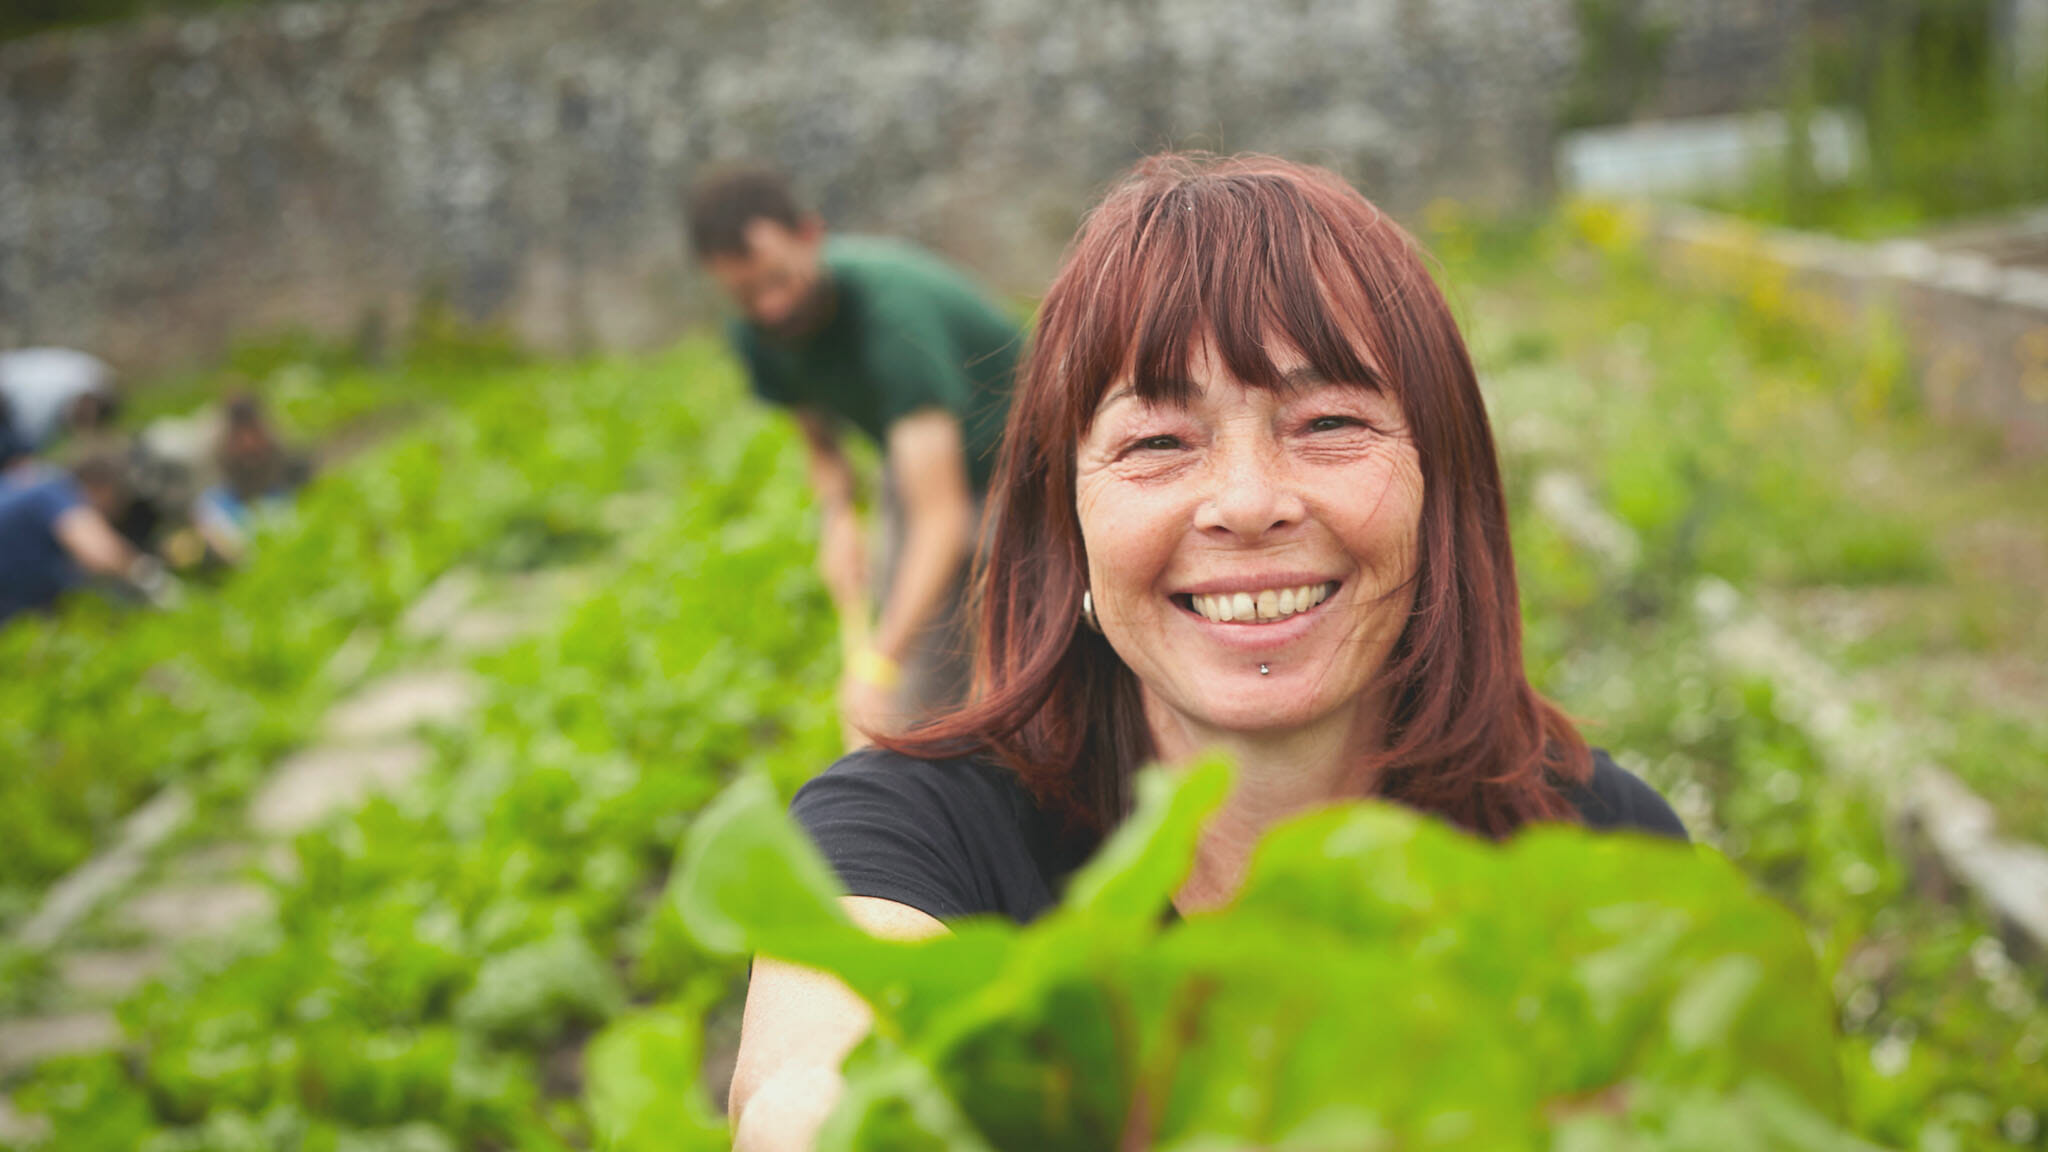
(1383, 981)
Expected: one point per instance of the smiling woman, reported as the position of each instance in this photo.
(1247, 500)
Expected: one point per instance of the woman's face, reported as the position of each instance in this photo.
(1252, 527)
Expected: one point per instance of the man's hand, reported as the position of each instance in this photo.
(148, 576)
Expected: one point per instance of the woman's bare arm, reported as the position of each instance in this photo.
(799, 1026)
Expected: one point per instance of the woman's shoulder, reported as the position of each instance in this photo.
(964, 786)
(951, 838)
(1615, 798)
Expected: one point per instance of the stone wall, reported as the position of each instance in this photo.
(167, 187)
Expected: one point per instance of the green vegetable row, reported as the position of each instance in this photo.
(102, 706)
(439, 963)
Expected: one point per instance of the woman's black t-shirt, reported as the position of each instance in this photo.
(956, 838)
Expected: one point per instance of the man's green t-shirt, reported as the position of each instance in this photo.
(906, 332)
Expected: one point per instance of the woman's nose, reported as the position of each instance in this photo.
(1252, 493)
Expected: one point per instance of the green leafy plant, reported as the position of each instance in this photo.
(1740, 442)
(462, 967)
(101, 706)
(1381, 981)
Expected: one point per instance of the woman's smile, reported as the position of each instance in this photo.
(1257, 602)
(1276, 619)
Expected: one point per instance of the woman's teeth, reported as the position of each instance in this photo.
(1268, 604)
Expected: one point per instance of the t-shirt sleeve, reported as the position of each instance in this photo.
(53, 499)
(889, 828)
(1616, 798)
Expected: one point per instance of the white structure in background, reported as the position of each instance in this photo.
(1703, 154)
(39, 386)
(2021, 32)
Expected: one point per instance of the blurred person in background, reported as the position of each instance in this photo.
(880, 337)
(50, 393)
(59, 399)
(256, 473)
(56, 530)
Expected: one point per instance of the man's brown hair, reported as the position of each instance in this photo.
(721, 207)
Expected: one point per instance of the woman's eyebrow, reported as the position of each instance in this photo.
(1173, 390)
(1302, 379)
(1309, 376)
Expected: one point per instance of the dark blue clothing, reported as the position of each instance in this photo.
(34, 567)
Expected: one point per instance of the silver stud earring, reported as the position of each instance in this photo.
(1088, 611)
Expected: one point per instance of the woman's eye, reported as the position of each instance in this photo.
(1331, 423)
(1158, 443)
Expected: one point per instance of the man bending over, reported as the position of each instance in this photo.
(873, 335)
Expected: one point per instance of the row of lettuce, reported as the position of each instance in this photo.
(106, 704)
(439, 961)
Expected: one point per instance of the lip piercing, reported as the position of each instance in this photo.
(1263, 670)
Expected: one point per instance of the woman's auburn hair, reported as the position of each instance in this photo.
(1240, 252)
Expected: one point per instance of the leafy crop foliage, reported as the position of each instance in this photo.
(1382, 981)
(489, 963)
(439, 963)
(1722, 427)
(100, 706)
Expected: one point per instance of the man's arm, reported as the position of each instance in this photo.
(830, 473)
(928, 461)
(92, 542)
(841, 558)
(95, 546)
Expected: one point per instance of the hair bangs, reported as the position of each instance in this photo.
(1240, 265)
